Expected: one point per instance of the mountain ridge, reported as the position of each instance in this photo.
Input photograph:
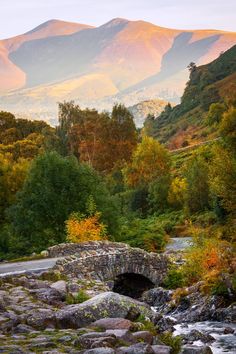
(137, 60)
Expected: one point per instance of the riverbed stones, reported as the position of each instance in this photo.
(194, 349)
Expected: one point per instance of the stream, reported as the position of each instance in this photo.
(224, 343)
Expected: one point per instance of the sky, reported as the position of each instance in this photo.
(20, 16)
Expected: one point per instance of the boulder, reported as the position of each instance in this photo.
(102, 350)
(107, 304)
(95, 340)
(166, 324)
(122, 334)
(23, 328)
(41, 319)
(48, 295)
(194, 349)
(143, 336)
(161, 349)
(113, 323)
(140, 348)
(228, 330)
(157, 297)
(195, 335)
(60, 286)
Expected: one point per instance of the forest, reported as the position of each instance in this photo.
(96, 177)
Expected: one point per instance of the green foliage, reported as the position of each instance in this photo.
(220, 288)
(147, 324)
(143, 233)
(80, 297)
(197, 191)
(175, 342)
(227, 128)
(158, 193)
(55, 187)
(174, 279)
(215, 113)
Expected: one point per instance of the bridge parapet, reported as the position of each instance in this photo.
(106, 260)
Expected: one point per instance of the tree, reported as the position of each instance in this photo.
(197, 190)
(158, 193)
(54, 188)
(177, 192)
(12, 176)
(123, 135)
(215, 113)
(227, 127)
(81, 229)
(223, 177)
(149, 161)
(192, 67)
(99, 139)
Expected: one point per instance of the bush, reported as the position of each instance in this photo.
(80, 297)
(174, 279)
(144, 233)
(174, 342)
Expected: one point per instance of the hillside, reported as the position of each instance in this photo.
(122, 60)
(187, 122)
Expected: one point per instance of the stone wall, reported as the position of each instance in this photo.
(106, 260)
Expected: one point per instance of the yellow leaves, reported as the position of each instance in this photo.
(177, 191)
(81, 229)
(150, 160)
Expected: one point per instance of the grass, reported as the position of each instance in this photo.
(175, 342)
(79, 298)
(147, 324)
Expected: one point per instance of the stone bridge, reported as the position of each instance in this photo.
(112, 262)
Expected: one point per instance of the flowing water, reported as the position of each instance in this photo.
(224, 343)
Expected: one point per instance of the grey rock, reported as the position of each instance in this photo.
(41, 319)
(122, 334)
(166, 324)
(140, 348)
(144, 336)
(65, 339)
(104, 305)
(95, 340)
(49, 295)
(194, 349)
(23, 328)
(161, 349)
(113, 323)
(60, 286)
(99, 351)
(195, 335)
(157, 297)
(228, 330)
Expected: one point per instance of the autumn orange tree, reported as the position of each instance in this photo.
(80, 228)
(99, 139)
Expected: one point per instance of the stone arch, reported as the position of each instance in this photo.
(105, 261)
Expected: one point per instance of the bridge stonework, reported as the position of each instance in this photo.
(103, 260)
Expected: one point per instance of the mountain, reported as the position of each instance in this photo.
(122, 60)
(142, 109)
(187, 122)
